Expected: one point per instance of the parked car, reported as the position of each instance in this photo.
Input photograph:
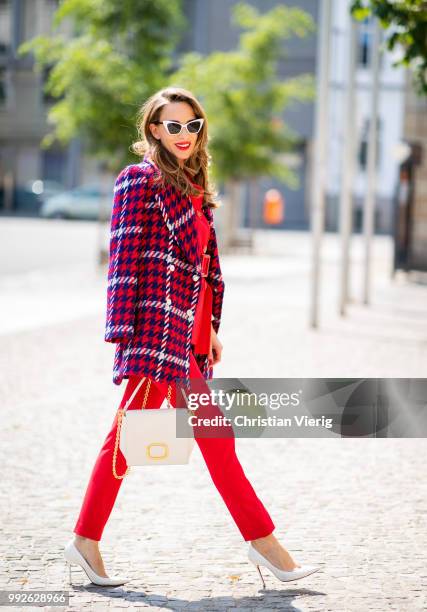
(24, 202)
(84, 202)
(44, 188)
(27, 198)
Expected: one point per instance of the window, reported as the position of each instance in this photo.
(363, 147)
(5, 26)
(46, 96)
(365, 43)
(29, 20)
(3, 91)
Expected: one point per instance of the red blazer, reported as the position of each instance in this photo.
(154, 278)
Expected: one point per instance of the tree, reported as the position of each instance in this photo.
(408, 21)
(245, 98)
(118, 55)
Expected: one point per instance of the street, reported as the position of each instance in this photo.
(357, 507)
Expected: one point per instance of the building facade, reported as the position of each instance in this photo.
(390, 121)
(24, 106)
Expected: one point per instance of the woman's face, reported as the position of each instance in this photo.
(176, 111)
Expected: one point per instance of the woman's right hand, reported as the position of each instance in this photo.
(216, 348)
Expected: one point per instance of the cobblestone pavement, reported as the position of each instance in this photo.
(357, 507)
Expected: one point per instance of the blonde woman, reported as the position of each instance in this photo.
(164, 301)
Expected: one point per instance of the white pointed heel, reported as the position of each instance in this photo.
(285, 576)
(73, 555)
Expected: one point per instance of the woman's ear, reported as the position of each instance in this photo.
(153, 130)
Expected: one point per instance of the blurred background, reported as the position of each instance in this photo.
(317, 126)
(318, 134)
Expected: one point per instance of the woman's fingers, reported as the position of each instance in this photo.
(216, 349)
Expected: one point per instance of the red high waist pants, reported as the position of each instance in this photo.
(247, 510)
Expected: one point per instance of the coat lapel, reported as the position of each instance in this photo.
(179, 215)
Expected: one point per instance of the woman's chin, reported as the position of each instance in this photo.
(181, 155)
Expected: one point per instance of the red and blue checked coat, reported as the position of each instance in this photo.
(154, 278)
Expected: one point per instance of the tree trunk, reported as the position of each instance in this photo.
(232, 217)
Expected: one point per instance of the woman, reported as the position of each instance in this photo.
(164, 301)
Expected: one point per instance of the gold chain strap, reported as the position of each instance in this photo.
(116, 445)
(120, 413)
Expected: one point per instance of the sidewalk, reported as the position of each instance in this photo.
(355, 506)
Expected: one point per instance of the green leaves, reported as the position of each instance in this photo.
(406, 21)
(244, 96)
(119, 54)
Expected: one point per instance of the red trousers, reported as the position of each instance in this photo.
(247, 510)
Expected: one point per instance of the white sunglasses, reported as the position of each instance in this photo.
(175, 127)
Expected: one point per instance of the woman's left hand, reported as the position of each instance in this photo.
(216, 348)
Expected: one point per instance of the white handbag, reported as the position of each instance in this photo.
(148, 436)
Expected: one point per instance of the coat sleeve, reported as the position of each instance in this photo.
(130, 191)
(214, 277)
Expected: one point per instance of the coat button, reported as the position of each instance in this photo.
(190, 313)
(168, 301)
(195, 277)
(171, 267)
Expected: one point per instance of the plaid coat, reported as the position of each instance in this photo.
(154, 278)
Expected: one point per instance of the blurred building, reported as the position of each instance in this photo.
(24, 106)
(212, 30)
(23, 110)
(410, 213)
(390, 121)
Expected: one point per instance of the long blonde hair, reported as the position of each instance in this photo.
(196, 165)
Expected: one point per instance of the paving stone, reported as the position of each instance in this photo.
(357, 507)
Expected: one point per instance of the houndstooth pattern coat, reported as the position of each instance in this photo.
(154, 278)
